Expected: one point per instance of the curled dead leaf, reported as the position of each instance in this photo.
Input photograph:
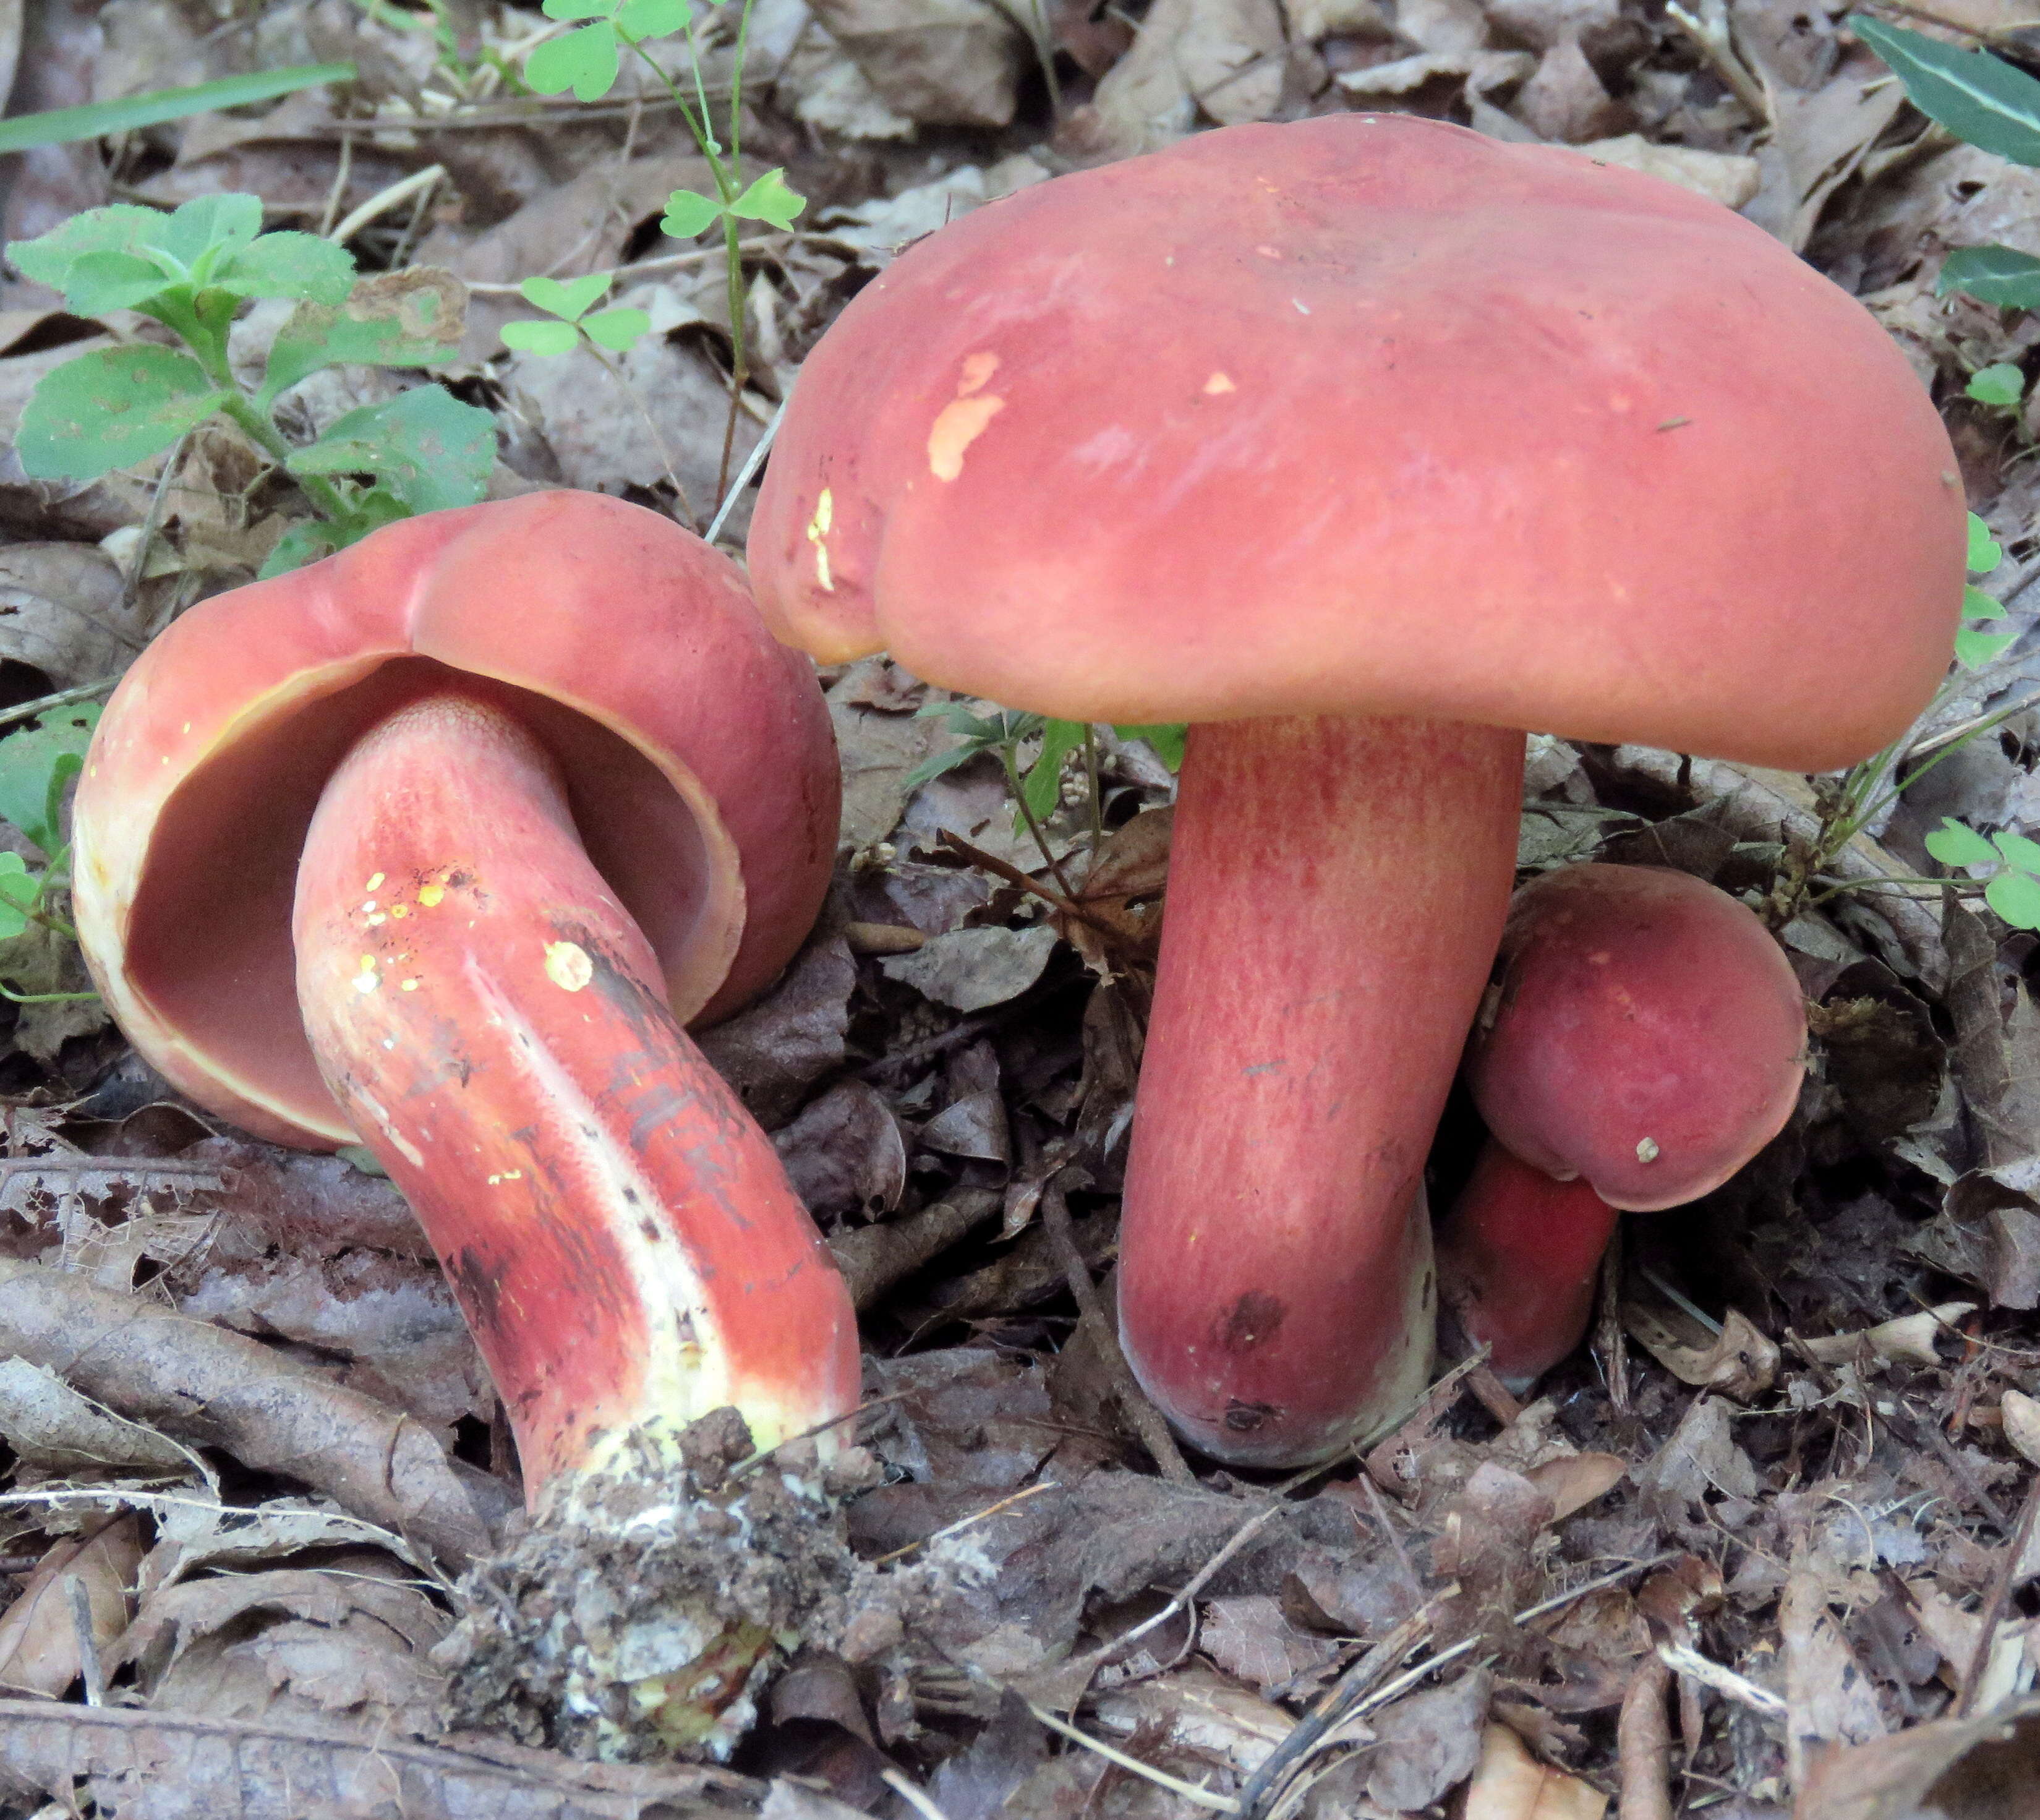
(1738, 1362)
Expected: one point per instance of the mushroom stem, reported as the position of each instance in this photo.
(622, 1237)
(1336, 888)
(1519, 1256)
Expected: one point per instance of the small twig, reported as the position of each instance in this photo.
(743, 478)
(963, 1523)
(1145, 1418)
(2000, 1591)
(1203, 1577)
(80, 1597)
(1610, 1341)
(917, 1798)
(1643, 1745)
(383, 201)
(63, 698)
(1710, 31)
(1188, 1791)
(1386, 1525)
(1005, 869)
(1687, 1661)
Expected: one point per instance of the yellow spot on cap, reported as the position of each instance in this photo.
(375, 884)
(400, 910)
(1646, 1150)
(376, 920)
(1268, 252)
(187, 726)
(429, 896)
(568, 966)
(958, 425)
(977, 371)
(818, 529)
(410, 985)
(1219, 382)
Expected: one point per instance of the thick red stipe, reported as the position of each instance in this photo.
(619, 1232)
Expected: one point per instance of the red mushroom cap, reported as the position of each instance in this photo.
(1373, 414)
(1648, 1034)
(699, 759)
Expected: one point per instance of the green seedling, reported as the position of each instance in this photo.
(193, 270)
(1037, 788)
(2000, 386)
(2011, 884)
(568, 304)
(1850, 806)
(1985, 99)
(37, 767)
(589, 60)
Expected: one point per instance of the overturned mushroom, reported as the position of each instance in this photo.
(533, 787)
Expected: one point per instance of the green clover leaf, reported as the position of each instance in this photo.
(2002, 384)
(586, 61)
(2015, 896)
(541, 337)
(767, 199)
(616, 329)
(1956, 843)
(1985, 552)
(689, 213)
(569, 301)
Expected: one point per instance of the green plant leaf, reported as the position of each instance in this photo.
(541, 337)
(1166, 738)
(1978, 605)
(1985, 555)
(1956, 843)
(290, 264)
(2018, 850)
(586, 61)
(569, 301)
(1977, 97)
(427, 448)
(102, 281)
(1992, 274)
(120, 228)
(209, 224)
(109, 408)
(689, 213)
(407, 318)
(2002, 384)
(19, 892)
(2015, 896)
(567, 11)
(59, 126)
(1041, 789)
(767, 199)
(302, 544)
(618, 330)
(643, 19)
(1973, 649)
(35, 765)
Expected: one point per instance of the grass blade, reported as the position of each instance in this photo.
(60, 125)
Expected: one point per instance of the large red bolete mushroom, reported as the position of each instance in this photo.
(537, 787)
(1363, 442)
(1646, 1037)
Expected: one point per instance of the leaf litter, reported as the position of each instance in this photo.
(1765, 1547)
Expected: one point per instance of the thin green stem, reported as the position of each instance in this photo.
(13, 997)
(1096, 796)
(1007, 756)
(265, 435)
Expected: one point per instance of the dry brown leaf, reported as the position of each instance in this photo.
(39, 1647)
(972, 969)
(873, 1259)
(1738, 1361)
(773, 1051)
(1828, 1695)
(1221, 58)
(1908, 1339)
(1427, 1745)
(205, 1384)
(1511, 1784)
(940, 62)
(1251, 1638)
(843, 1153)
(1573, 1481)
(1950, 1768)
(168, 1766)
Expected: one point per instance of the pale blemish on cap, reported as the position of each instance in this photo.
(1303, 309)
(1219, 382)
(375, 884)
(568, 966)
(410, 985)
(1646, 1150)
(958, 425)
(368, 980)
(430, 896)
(818, 530)
(1268, 252)
(977, 371)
